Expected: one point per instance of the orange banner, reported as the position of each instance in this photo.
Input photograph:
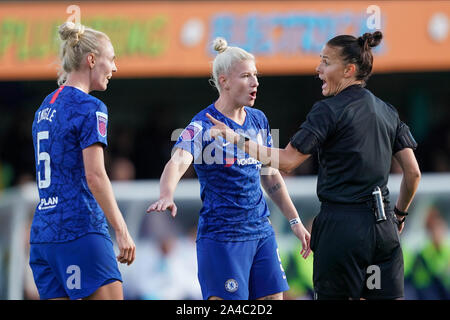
(153, 39)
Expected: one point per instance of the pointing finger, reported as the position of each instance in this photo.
(213, 120)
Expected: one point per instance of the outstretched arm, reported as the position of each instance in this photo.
(275, 187)
(173, 171)
(285, 160)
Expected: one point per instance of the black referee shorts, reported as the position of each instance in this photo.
(355, 257)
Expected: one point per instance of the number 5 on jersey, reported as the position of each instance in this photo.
(43, 156)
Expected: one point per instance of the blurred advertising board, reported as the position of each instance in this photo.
(173, 38)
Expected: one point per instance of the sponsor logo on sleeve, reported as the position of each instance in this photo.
(102, 121)
(191, 131)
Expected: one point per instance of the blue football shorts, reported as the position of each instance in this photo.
(240, 270)
(74, 269)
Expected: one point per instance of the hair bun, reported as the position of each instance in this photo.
(220, 44)
(71, 32)
(370, 40)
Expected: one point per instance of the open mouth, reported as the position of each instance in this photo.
(324, 83)
(253, 94)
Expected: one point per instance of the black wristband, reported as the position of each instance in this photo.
(400, 213)
(399, 222)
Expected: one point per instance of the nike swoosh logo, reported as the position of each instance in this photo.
(225, 144)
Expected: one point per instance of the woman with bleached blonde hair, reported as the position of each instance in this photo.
(237, 253)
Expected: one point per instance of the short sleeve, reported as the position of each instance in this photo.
(319, 125)
(267, 135)
(191, 139)
(94, 127)
(403, 138)
(305, 142)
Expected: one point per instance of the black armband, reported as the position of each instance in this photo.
(404, 139)
(400, 213)
(305, 141)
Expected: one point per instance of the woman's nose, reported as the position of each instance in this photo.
(318, 69)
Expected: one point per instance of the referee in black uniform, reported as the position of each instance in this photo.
(355, 135)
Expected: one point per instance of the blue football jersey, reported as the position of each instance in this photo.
(67, 122)
(234, 207)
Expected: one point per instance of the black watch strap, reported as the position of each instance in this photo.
(400, 213)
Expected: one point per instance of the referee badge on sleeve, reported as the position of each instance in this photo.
(102, 121)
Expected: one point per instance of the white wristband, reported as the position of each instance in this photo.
(294, 221)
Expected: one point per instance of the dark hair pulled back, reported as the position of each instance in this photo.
(358, 51)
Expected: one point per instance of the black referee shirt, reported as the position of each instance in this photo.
(355, 135)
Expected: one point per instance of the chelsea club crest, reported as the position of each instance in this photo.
(231, 285)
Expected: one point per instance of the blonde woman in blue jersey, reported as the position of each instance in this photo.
(237, 254)
(71, 252)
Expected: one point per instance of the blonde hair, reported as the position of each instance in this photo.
(77, 41)
(225, 59)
